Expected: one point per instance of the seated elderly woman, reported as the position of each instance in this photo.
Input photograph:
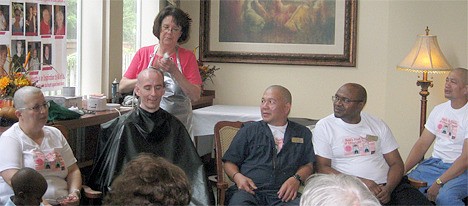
(29, 143)
(336, 189)
(149, 180)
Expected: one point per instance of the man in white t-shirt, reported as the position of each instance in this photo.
(355, 143)
(446, 170)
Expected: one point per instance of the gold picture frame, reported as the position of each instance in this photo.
(321, 32)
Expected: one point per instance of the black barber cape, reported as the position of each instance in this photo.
(160, 133)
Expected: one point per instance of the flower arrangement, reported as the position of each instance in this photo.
(15, 78)
(12, 82)
(207, 72)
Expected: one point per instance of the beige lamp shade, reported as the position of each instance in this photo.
(425, 57)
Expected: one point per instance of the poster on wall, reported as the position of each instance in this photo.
(33, 40)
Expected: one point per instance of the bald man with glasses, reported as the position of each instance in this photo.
(355, 143)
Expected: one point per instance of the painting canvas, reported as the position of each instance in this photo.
(308, 32)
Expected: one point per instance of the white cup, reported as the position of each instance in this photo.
(68, 91)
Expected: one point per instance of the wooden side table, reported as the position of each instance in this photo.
(205, 100)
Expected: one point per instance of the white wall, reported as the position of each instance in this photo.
(387, 30)
(92, 60)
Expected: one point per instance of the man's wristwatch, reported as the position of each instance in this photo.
(439, 182)
(298, 178)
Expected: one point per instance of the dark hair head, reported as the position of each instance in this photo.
(180, 17)
(150, 180)
(27, 183)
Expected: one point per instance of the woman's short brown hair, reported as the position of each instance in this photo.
(180, 17)
(149, 180)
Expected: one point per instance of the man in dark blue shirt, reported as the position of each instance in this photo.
(269, 159)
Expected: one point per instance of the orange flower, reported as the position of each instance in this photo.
(4, 82)
(12, 82)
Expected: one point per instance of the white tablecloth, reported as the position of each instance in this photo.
(204, 119)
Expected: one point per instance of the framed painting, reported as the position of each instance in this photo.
(295, 32)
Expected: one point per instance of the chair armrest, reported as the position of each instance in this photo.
(90, 193)
(417, 183)
(222, 185)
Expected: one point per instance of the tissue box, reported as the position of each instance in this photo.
(66, 101)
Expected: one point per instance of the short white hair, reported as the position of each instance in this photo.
(340, 189)
(19, 98)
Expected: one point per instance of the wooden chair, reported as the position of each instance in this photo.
(417, 183)
(224, 132)
(91, 194)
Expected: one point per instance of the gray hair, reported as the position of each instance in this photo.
(22, 93)
(341, 189)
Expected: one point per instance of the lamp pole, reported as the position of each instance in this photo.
(425, 84)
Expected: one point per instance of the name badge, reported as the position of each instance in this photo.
(372, 138)
(299, 140)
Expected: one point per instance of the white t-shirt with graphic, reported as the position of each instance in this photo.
(450, 126)
(51, 159)
(355, 149)
(278, 135)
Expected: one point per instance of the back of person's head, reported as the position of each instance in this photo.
(330, 189)
(29, 186)
(149, 180)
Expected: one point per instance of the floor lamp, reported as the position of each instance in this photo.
(425, 57)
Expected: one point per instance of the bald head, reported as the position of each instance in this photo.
(285, 94)
(22, 94)
(150, 88)
(463, 74)
(359, 90)
(147, 73)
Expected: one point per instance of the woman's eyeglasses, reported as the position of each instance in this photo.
(38, 108)
(166, 28)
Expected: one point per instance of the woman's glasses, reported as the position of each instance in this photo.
(167, 28)
(39, 107)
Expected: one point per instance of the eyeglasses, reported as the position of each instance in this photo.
(345, 100)
(166, 28)
(39, 107)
